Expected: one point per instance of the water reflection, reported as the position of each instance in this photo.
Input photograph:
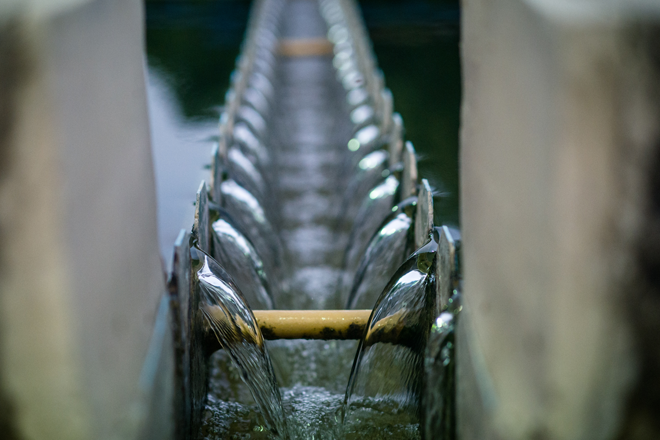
(181, 152)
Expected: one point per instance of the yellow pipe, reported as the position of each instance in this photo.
(305, 47)
(297, 324)
(312, 324)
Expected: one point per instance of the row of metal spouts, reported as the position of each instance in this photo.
(244, 178)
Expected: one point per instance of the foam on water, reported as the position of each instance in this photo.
(313, 414)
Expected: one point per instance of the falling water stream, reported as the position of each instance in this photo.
(305, 217)
(371, 169)
(233, 324)
(387, 249)
(240, 259)
(385, 379)
(375, 207)
(308, 133)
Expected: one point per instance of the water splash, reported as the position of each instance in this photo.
(240, 259)
(312, 416)
(324, 364)
(387, 372)
(388, 248)
(230, 319)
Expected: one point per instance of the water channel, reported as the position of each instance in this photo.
(191, 50)
(300, 241)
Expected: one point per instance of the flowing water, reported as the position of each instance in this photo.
(191, 51)
(306, 140)
(299, 162)
(240, 259)
(305, 151)
(388, 248)
(387, 374)
(251, 145)
(243, 171)
(246, 210)
(374, 208)
(232, 322)
(371, 170)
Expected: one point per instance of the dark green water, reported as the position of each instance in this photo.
(192, 46)
(417, 48)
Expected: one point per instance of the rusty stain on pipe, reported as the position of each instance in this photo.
(301, 324)
(312, 324)
(315, 324)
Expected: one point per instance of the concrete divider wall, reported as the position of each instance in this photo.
(560, 129)
(80, 272)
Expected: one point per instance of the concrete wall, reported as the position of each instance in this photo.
(80, 273)
(559, 144)
(559, 138)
